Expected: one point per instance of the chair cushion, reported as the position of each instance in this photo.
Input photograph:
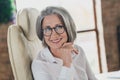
(26, 18)
(23, 43)
(20, 60)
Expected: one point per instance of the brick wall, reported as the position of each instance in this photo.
(111, 19)
(5, 67)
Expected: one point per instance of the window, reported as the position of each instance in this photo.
(87, 17)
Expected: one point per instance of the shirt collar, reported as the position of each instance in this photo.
(48, 55)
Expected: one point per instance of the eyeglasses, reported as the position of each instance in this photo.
(58, 29)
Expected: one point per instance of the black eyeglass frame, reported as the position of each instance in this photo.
(55, 29)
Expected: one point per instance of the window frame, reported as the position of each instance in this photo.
(101, 54)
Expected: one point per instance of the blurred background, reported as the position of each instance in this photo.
(98, 30)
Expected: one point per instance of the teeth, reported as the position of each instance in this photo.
(56, 41)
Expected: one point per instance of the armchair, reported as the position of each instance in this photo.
(23, 43)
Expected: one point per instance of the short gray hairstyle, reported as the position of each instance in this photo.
(65, 18)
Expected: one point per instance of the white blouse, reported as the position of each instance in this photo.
(47, 67)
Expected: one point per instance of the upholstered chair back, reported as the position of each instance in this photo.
(23, 43)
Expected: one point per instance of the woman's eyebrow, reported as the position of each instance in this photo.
(46, 27)
(59, 24)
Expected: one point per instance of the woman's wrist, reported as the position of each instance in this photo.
(67, 65)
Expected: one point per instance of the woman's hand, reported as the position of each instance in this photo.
(65, 53)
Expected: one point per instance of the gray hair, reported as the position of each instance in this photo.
(65, 18)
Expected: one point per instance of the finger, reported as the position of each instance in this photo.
(75, 50)
(67, 44)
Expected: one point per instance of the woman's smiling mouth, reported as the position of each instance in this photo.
(56, 40)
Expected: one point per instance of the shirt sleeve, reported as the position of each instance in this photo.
(38, 72)
(66, 73)
(90, 74)
(85, 65)
(41, 72)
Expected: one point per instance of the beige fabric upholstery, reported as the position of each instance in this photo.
(23, 43)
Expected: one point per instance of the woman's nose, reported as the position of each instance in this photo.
(54, 33)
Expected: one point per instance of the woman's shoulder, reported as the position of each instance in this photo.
(39, 59)
(40, 55)
(80, 58)
(81, 52)
(79, 48)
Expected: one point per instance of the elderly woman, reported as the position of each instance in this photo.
(60, 59)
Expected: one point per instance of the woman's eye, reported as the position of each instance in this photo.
(59, 27)
(47, 29)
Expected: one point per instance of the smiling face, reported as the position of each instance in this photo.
(55, 40)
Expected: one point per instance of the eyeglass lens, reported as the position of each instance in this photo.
(58, 29)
